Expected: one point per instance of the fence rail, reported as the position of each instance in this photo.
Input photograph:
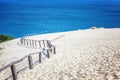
(46, 47)
(35, 43)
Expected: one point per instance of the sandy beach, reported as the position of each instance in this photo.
(80, 55)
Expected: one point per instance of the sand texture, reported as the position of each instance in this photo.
(81, 55)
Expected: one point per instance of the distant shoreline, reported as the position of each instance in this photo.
(32, 34)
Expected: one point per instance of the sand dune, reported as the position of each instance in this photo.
(81, 55)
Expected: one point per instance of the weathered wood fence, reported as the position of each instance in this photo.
(43, 44)
(35, 43)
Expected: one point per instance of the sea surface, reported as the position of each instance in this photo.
(19, 20)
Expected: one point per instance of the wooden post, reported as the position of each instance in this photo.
(27, 42)
(33, 43)
(48, 44)
(54, 50)
(43, 43)
(30, 43)
(39, 44)
(23, 41)
(30, 62)
(14, 72)
(40, 57)
(48, 54)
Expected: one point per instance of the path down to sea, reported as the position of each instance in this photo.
(81, 55)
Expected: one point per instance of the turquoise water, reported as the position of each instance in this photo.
(19, 20)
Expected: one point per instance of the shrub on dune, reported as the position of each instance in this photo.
(5, 38)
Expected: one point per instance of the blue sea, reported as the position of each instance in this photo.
(18, 20)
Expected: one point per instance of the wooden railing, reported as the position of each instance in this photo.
(35, 43)
(46, 47)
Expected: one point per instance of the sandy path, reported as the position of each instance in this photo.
(81, 55)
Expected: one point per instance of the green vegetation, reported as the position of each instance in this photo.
(5, 38)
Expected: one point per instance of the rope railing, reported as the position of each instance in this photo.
(44, 45)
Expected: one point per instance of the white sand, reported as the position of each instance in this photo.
(81, 55)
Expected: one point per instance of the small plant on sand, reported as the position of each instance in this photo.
(94, 27)
(1, 47)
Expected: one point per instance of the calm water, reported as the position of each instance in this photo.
(19, 20)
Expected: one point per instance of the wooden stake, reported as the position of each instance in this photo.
(40, 57)
(48, 53)
(43, 43)
(54, 50)
(39, 44)
(23, 41)
(30, 43)
(27, 42)
(14, 72)
(30, 62)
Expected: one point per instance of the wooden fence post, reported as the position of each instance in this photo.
(27, 42)
(35, 44)
(48, 54)
(40, 57)
(39, 44)
(14, 72)
(54, 50)
(23, 41)
(43, 43)
(30, 43)
(48, 44)
(30, 62)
